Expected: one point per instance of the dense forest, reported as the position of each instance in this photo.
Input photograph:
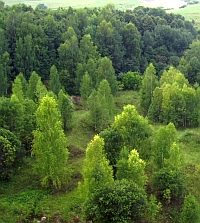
(64, 68)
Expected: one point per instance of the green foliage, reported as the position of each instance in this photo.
(175, 101)
(17, 89)
(149, 83)
(49, 144)
(32, 84)
(66, 108)
(113, 144)
(86, 89)
(12, 115)
(97, 173)
(101, 106)
(164, 139)
(134, 130)
(122, 201)
(54, 82)
(169, 184)
(22, 206)
(190, 210)
(7, 157)
(153, 209)
(131, 81)
(131, 168)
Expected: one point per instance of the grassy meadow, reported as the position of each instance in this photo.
(191, 12)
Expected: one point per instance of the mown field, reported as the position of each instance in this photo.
(191, 12)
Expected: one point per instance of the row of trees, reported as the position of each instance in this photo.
(80, 40)
(171, 99)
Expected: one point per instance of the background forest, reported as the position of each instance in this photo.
(99, 115)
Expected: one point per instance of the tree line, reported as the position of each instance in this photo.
(79, 40)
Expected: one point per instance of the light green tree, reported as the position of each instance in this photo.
(105, 104)
(164, 139)
(50, 144)
(134, 130)
(190, 211)
(149, 83)
(32, 83)
(86, 89)
(41, 90)
(17, 89)
(66, 108)
(97, 173)
(132, 168)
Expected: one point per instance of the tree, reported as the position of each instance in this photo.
(87, 49)
(149, 83)
(97, 173)
(32, 84)
(132, 81)
(131, 168)
(5, 71)
(17, 89)
(169, 184)
(12, 115)
(106, 71)
(122, 201)
(66, 108)
(49, 144)
(25, 55)
(106, 104)
(131, 41)
(113, 145)
(134, 130)
(86, 89)
(190, 210)
(164, 139)
(54, 82)
(9, 150)
(40, 90)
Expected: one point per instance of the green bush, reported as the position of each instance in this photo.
(20, 207)
(9, 149)
(190, 210)
(131, 81)
(121, 202)
(169, 184)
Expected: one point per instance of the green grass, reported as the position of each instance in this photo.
(77, 3)
(191, 12)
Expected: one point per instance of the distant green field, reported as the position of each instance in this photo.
(191, 12)
(77, 3)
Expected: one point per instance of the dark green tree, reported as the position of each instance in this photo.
(54, 82)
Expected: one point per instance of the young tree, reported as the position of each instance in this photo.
(105, 103)
(32, 83)
(54, 82)
(134, 130)
(86, 89)
(106, 71)
(149, 83)
(17, 89)
(49, 144)
(190, 210)
(164, 139)
(66, 108)
(97, 173)
(132, 168)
